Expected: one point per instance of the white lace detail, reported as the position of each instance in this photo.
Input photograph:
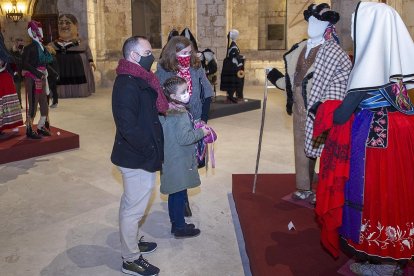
(386, 235)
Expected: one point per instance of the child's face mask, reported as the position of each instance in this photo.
(184, 98)
(182, 94)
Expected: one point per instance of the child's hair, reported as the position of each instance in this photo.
(170, 87)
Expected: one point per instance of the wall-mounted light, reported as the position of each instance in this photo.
(13, 12)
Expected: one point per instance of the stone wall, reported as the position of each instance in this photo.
(107, 23)
(178, 14)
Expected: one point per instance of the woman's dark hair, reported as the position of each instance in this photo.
(170, 87)
(168, 60)
(71, 17)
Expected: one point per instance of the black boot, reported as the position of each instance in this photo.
(44, 131)
(187, 210)
(187, 225)
(186, 232)
(47, 125)
(30, 133)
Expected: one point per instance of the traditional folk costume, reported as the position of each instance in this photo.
(232, 73)
(35, 60)
(316, 70)
(76, 76)
(209, 63)
(378, 215)
(10, 114)
(75, 61)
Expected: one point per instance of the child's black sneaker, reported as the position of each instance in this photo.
(186, 232)
(146, 247)
(140, 267)
(189, 225)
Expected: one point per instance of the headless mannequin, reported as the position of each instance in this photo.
(298, 81)
(305, 166)
(316, 29)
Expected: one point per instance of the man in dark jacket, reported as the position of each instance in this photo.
(138, 148)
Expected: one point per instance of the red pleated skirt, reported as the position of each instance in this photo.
(10, 113)
(387, 229)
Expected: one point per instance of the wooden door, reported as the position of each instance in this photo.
(49, 25)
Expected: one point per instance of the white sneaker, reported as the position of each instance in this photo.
(302, 194)
(367, 269)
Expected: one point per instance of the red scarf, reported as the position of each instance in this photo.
(184, 71)
(126, 67)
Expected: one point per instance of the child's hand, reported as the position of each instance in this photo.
(206, 130)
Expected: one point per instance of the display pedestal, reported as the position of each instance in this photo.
(15, 147)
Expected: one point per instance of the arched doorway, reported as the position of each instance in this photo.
(146, 20)
(46, 12)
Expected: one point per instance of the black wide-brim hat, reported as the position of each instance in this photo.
(321, 12)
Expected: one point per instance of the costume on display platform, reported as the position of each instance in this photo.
(207, 58)
(189, 35)
(35, 60)
(75, 60)
(10, 114)
(317, 69)
(209, 63)
(232, 73)
(378, 211)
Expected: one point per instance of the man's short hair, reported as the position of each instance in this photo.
(130, 44)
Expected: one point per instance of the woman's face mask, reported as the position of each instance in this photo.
(184, 57)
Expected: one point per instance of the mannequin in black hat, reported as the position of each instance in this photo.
(209, 63)
(232, 73)
(317, 69)
(187, 33)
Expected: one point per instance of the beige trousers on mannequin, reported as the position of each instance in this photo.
(304, 166)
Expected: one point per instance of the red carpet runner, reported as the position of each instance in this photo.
(264, 217)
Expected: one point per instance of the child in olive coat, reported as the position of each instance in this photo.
(179, 170)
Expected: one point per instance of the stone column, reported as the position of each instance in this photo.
(178, 14)
(113, 29)
(211, 28)
(343, 27)
(245, 18)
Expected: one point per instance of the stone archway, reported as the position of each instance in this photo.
(45, 7)
(46, 12)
